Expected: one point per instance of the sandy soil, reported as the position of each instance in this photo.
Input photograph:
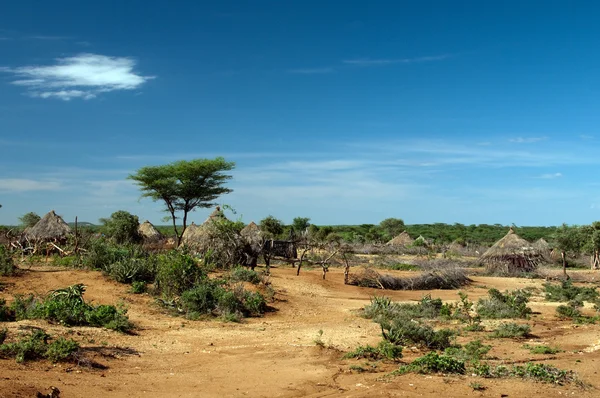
(275, 356)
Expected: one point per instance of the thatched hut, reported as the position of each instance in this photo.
(149, 233)
(511, 254)
(51, 228)
(403, 239)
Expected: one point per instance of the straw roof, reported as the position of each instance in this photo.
(217, 214)
(190, 234)
(50, 227)
(512, 253)
(403, 239)
(149, 233)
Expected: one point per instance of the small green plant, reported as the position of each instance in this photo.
(319, 339)
(139, 287)
(511, 304)
(35, 346)
(6, 313)
(473, 351)
(176, 273)
(433, 362)
(241, 274)
(541, 349)
(477, 386)
(7, 265)
(402, 332)
(384, 350)
(512, 330)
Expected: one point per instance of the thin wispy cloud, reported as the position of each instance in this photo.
(551, 176)
(392, 61)
(25, 185)
(527, 140)
(83, 76)
(311, 71)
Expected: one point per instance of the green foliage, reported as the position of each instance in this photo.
(133, 269)
(3, 334)
(210, 297)
(392, 227)
(138, 287)
(121, 227)
(384, 350)
(271, 226)
(511, 304)
(101, 254)
(301, 224)
(176, 273)
(542, 349)
(67, 307)
(512, 330)
(568, 312)
(241, 274)
(402, 331)
(433, 362)
(28, 220)
(36, 346)
(535, 371)
(184, 185)
(382, 308)
(565, 291)
(473, 351)
(7, 265)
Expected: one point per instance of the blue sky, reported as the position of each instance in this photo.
(344, 112)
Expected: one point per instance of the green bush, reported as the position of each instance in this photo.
(35, 346)
(473, 351)
(384, 350)
(566, 292)
(176, 273)
(202, 299)
(511, 304)
(138, 287)
(102, 253)
(3, 334)
(512, 330)
(535, 371)
(433, 362)
(241, 274)
(404, 332)
(133, 269)
(6, 313)
(568, 312)
(541, 349)
(67, 307)
(7, 265)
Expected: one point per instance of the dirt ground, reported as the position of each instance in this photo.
(276, 355)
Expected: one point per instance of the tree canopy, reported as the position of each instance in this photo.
(184, 185)
(29, 219)
(122, 227)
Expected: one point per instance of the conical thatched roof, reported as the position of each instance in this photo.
(252, 235)
(512, 254)
(217, 214)
(190, 234)
(195, 236)
(149, 233)
(403, 239)
(50, 227)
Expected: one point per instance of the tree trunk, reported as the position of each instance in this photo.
(564, 261)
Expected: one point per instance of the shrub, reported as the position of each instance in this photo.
(122, 227)
(384, 350)
(241, 274)
(133, 269)
(565, 292)
(7, 265)
(138, 287)
(447, 278)
(6, 313)
(201, 300)
(568, 312)
(512, 330)
(536, 371)
(433, 362)
(403, 332)
(508, 305)
(3, 334)
(541, 349)
(35, 346)
(176, 273)
(67, 307)
(473, 351)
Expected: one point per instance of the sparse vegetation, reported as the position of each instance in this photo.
(566, 291)
(542, 349)
(432, 362)
(511, 304)
(384, 350)
(7, 265)
(512, 330)
(35, 345)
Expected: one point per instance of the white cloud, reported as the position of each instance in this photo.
(391, 61)
(25, 185)
(551, 176)
(82, 76)
(527, 140)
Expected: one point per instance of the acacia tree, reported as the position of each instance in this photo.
(392, 227)
(568, 241)
(122, 227)
(184, 185)
(29, 219)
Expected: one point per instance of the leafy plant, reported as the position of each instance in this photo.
(176, 273)
(512, 330)
(36, 346)
(542, 349)
(433, 362)
(241, 274)
(7, 265)
(511, 304)
(566, 291)
(473, 351)
(384, 350)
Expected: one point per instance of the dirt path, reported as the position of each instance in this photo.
(273, 356)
